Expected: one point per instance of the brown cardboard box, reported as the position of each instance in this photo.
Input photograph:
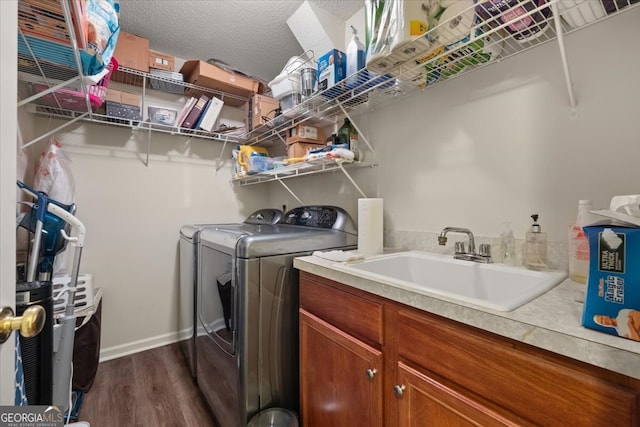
(307, 133)
(161, 61)
(260, 106)
(132, 52)
(127, 98)
(298, 147)
(203, 74)
(113, 95)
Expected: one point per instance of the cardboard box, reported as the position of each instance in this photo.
(298, 146)
(300, 149)
(257, 107)
(309, 133)
(113, 95)
(161, 61)
(127, 98)
(332, 67)
(203, 74)
(132, 52)
(612, 301)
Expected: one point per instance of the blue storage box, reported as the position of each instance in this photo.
(612, 301)
(332, 68)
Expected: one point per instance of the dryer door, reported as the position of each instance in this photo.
(217, 298)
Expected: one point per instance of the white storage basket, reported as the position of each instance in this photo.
(84, 296)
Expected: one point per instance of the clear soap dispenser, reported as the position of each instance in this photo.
(508, 245)
(535, 257)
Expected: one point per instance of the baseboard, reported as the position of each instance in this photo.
(138, 346)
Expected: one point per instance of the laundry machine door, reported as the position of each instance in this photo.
(217, 298)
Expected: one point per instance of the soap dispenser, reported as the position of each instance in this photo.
(355, 58)
(508, 245)
(535, 256)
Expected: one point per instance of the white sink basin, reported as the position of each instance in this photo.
(495, 286)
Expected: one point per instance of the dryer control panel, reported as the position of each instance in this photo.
(317, 217)
(264, 216)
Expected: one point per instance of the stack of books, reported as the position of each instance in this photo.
(200, 113)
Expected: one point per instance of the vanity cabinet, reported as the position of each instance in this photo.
(437, 372)
(341, 367)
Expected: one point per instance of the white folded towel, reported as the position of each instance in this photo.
(339, 255)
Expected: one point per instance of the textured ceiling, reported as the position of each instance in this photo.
(252, 36)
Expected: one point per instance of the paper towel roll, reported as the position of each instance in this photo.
(457, 23)
(370, 226)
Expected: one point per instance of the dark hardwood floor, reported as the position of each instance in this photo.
(147, 389)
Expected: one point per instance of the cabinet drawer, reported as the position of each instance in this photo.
(354, 314)
(537, 388)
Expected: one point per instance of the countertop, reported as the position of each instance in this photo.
(551, 322)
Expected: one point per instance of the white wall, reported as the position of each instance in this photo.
(133, 215)
(497, 144)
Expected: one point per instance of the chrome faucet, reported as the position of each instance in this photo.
(470, 254)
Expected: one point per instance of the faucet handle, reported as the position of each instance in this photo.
(459, 248)
(485, 250)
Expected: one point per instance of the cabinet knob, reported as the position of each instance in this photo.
(399, 390)
(371, 373)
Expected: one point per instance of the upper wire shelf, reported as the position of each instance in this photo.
(419, 64)
(439, 56)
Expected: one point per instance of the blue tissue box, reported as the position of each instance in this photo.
(613, 284)
(332, 68)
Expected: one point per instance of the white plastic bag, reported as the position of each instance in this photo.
(53, 174)
(53, 177)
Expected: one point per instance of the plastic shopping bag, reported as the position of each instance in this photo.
(53, 174)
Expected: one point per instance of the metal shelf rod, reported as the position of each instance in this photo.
(51, 132)
(290, 191)
(351, 179)
(563, 56)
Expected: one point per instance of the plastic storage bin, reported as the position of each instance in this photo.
(289, 80)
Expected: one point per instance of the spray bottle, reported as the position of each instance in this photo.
(355, 57)
(578, 244)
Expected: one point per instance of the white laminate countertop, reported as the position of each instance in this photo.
(551, 322)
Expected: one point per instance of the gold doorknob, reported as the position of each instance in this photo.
(30, 323)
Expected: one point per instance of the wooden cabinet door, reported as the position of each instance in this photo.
(425, 402)
(340, 377)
